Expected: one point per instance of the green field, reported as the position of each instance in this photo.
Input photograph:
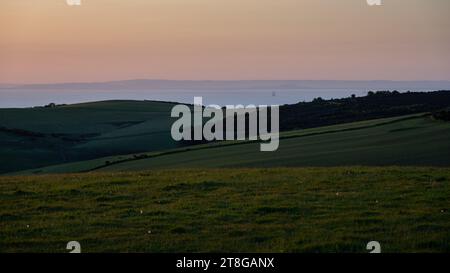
(406, 209)
(36, 137)
(126, 186)
(417, 140)
(101, 134)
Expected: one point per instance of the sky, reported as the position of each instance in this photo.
(48, 41)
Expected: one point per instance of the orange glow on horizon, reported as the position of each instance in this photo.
(49, 41)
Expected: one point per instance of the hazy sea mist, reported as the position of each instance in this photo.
(256, 92)
(18, 98)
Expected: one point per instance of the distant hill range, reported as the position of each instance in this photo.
(148, 84)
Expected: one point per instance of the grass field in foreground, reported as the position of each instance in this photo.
(406, 209)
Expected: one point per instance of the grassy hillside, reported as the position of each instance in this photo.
(417, 140)
(229, 210)
(38, 137)
(35, 137)
(142, 192)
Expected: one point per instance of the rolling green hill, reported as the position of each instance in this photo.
(327, 189)
(108, 132)
(35, 137)
(417, 140)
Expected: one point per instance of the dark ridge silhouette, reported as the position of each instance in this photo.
(379, 104)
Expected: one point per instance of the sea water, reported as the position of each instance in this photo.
(18, 98)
